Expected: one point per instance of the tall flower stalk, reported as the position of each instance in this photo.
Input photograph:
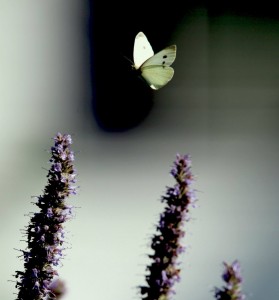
(45, 232)
(163, 272)
(233, 280)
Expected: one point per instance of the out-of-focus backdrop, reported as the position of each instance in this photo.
(221, 107)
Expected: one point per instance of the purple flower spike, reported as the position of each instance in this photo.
(233, 279)
(45, 233)
(164, 271)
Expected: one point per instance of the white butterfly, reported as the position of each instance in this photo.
(155, 69)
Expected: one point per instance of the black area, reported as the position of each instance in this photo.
(248, 8)
(120, 99)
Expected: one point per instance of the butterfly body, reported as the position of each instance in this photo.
(153, 68)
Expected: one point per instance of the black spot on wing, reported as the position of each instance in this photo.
(164, 57)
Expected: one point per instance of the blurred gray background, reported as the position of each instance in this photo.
(221, 107)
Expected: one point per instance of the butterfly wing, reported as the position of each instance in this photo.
(142, 50)
(163, 58)
(157, 76)
(156, 70)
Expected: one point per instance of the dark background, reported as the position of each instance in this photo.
(120, 100)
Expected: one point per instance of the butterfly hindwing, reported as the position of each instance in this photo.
(157, 76)
(142, 50)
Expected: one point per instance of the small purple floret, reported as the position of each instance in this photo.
(233, 280)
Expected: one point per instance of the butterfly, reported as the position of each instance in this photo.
(154, 68)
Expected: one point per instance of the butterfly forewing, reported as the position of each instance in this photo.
(157, 76)
(142, 50)
(163, 58)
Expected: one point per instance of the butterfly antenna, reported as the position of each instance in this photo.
(128, 59)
